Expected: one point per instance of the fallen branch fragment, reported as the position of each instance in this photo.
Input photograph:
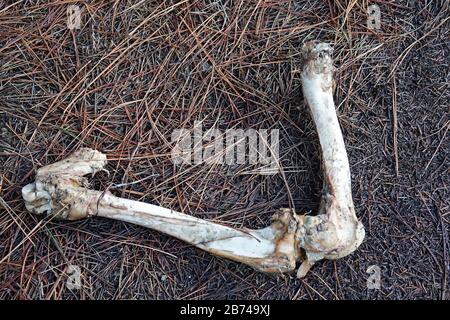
(61, 190)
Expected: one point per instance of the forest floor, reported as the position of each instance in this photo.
(135, 71)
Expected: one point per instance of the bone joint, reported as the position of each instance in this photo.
(60, 189)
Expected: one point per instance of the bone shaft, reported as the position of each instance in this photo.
(335, 161)
(212, 237)
(179, 225)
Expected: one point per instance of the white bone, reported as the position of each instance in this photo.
(62, 193)
(335, 232)
(59, 189)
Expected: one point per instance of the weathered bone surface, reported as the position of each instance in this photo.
(60, 189)
(335, 232)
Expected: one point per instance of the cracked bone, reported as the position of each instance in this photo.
(60, 189)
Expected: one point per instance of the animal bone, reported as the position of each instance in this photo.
(335, 232)
(61, 190)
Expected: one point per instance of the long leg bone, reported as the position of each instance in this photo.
(335, 232)
(60, 189)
